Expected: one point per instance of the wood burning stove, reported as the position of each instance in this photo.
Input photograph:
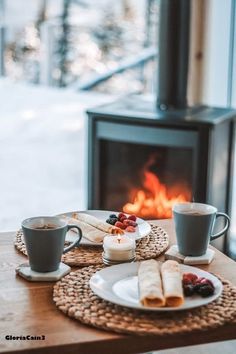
(154, 158)
(145, 154)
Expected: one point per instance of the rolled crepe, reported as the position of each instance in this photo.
(150, 286)
(99, 224)
(88, 231)
(172, 283)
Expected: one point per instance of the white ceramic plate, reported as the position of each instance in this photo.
(119, 285)
(142, 230)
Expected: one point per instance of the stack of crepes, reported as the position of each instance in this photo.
(92, 228)
(160, 284)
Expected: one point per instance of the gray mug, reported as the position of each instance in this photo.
(44, 239)
(194, 223)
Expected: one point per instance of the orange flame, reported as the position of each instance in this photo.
(154, 200)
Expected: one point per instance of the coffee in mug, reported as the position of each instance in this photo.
(44, 239)
(45, 227)
(194, 223)
(192, 212)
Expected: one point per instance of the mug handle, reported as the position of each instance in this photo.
(76, 242)
(220, 233)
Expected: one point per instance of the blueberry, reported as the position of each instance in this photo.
(197, 287)
(206, 290)
(113, 216)
(188, 290)
(111, 221)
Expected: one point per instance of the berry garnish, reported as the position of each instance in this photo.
(126, 222)
(111, 221)
(190, 277)
(130, 229)
(132, 217)
(197, 287)
(132, 223)
(186, 282)
(188, 289)
(121, 215)
(198, 280)
(113, 216)
(201, 286)
(207, 282)
(120, 225)
(205, 290)
(123, 222)
(122, 218)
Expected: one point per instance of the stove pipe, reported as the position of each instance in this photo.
(180, 53)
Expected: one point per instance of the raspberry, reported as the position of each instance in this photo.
(201, 284)
(190, 277)
(186, 281)
(120, 225)
(126, 222)
(132, 217)
(207, 282)
(130, 229)
(120, 215)
(132, 223)
(122, 219)
(198, 281)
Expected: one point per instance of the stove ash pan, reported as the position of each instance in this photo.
(143, 160)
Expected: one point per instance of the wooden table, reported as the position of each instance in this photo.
(27, 309)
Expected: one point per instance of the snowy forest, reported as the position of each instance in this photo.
(107, 46)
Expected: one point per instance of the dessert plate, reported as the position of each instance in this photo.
(119, 285)
(142, 230)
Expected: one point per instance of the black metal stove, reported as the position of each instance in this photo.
(142, 149)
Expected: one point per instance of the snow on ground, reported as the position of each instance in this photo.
(42, 151)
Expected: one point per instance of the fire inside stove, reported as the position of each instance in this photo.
(144, 180)
(155, 200)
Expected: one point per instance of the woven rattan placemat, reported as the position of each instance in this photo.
(148, 247)
(74, 297)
